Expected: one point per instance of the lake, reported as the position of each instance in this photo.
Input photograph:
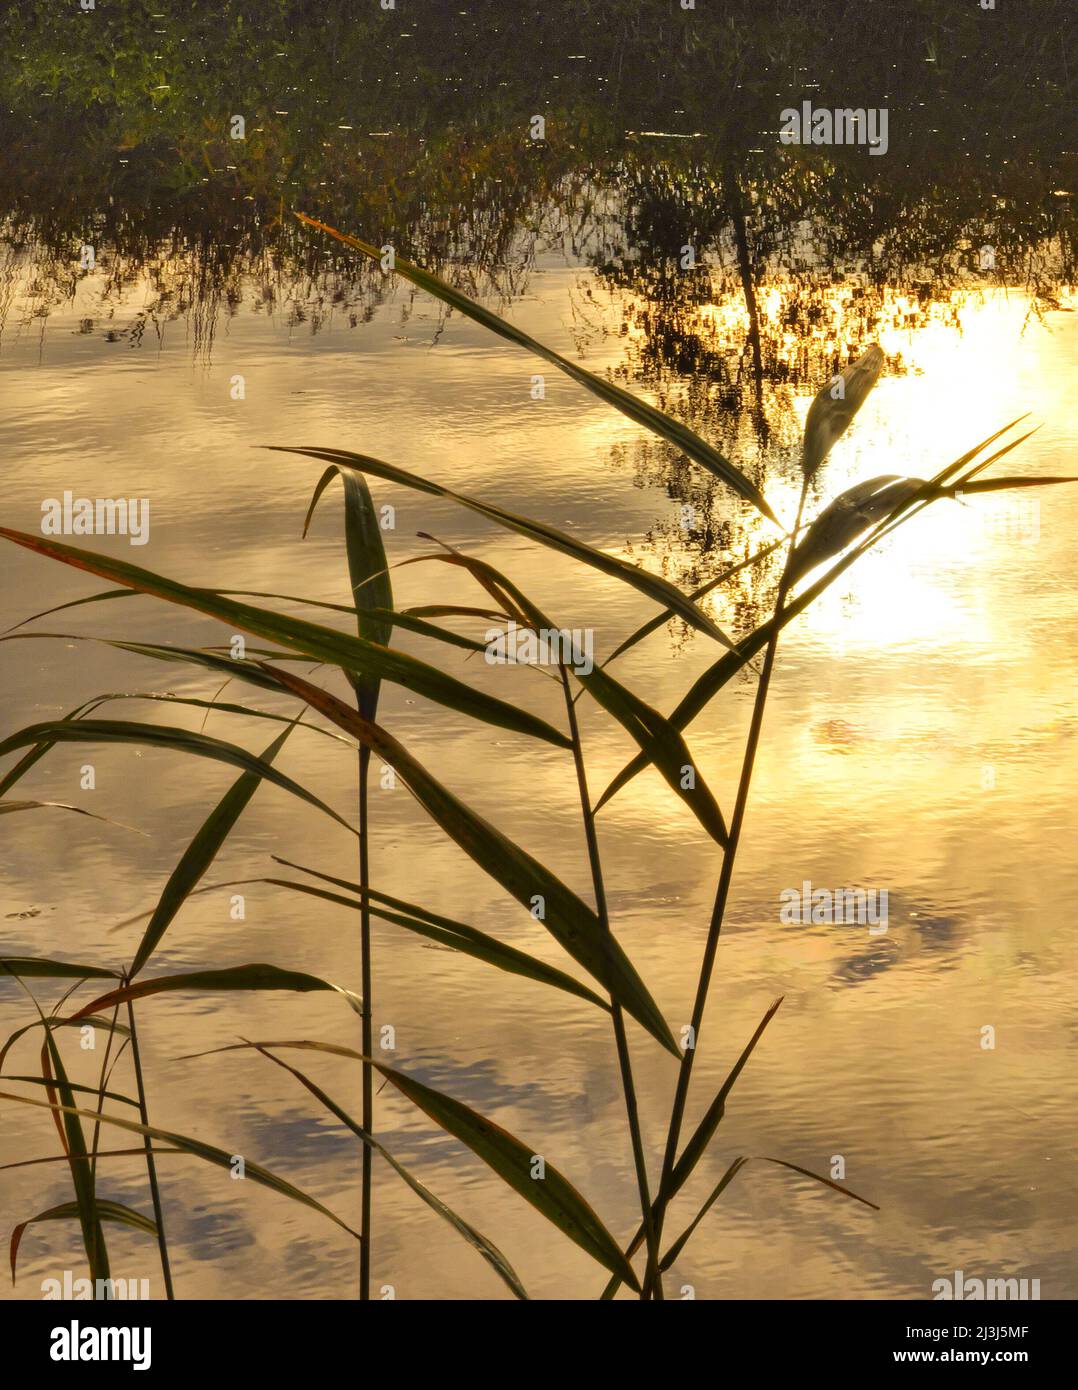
(920, 736)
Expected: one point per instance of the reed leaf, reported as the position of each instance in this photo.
(830, 415)
(215, 707)
(458, 937)
(848, 516)
(656, 737)
(237, 977)
(73, 1142)
(568, 919)
(704, 1132)
(355, 655)
(368, 569)
(161, 736)
(37, 966)
(235, 668)
(201, 852)
(695, 1148)
(104, 1023)
(682, 1240)
(97, 1091)
(552, 1194)
(725, 1181)
(6, 807)
(411, 620)
(101, 1153)
(68, 1211)
(968, 489)
(653, 624)
(818, 1177)
(652, 585)
(673, 431)
(221, 1158)
(475, 1239)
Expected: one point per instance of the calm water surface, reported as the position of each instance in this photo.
(921, 737)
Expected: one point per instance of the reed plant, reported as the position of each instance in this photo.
(343, 704)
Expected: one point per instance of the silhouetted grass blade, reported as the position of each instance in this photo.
(162, 736)
(69, 1211)
(106, 1024)
(656, 588)
(569, 920)
(704, 1132)
(200, 854)
(682, 1240)
(237, 977)
(221, 1158)
(50, 1082)
(476, 1239)
(31, 966)
(353, 654)
(637, 410)
(835, 406)
(660, 742)
(459, 937)
(515, 1163)
(7, 807)
(368, 570)
(848, 516)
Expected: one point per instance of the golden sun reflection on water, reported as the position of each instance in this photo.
(948, 654)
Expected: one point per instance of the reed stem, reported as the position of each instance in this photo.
(624, 1059)
(365, 991)
(726, 875)
(151, 1164)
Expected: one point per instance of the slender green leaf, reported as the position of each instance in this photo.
(73, 603)
(103, 1023)
(6, 807)
(849, 516)
(200, 854)
(37, 966)
(368, 569)
(673, 431)
(551, 1194)
(656, 588)
(354, 655)
(835, 406)
(74, 1144)
(458, 937)
(705, 1130)
(236, 668)
(968, 489)
(659, 741)
(222, 1158)
(101, 1153)
(161, 736)
(568, 919)
(682, 1240)
(655, 623)
(476, 1239)
(817, 1177)
(68, 1211)
(94, 1091)
(237, 977)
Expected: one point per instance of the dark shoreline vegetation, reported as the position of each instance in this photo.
(424, 142)
(661, 129)
(411, 127)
